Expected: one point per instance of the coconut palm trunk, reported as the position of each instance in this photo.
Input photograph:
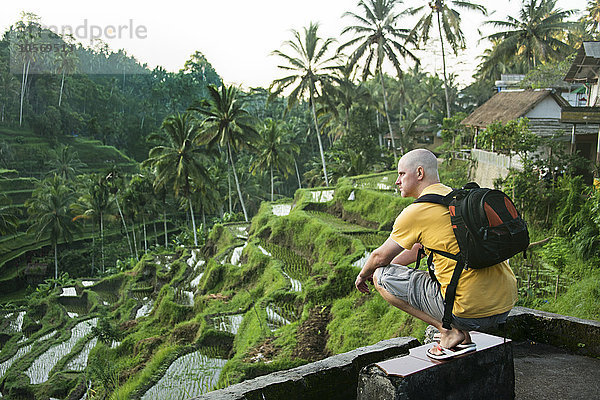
(298, 174)
(55, 261)
(23, 88)
(124, 226)
(237, 183)
(314, 114)
(271, 183)
(102, 240)
(193, 220)
(444, 67)
(165, 227)
(62, 84)
(145, 235)
(135, 243)
(387, 116)
(229, 187)
(155, 233)
(93, 247)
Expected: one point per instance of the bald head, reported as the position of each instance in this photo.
(422, 158)
(417, 169)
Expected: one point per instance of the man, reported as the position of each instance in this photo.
(484, 297)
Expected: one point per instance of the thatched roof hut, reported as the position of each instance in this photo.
(511, 105)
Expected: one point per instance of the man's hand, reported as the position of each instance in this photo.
(361, 283)
(378, 258)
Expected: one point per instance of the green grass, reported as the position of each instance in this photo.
(29, 152)
(360, 320)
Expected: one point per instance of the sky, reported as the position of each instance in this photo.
(236, 36)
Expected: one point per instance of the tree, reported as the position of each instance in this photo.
(8, 216)
(310, 69)
(178, 159)
(95, 203)
(448, 25)
(115, 184)
(50, 214)
(345, 94)
(66, 163)
(66, 63)
(24, 36)
(274, 153)
(592, 19)
(378, 38)
(138, 200)
(227, 124)
(533, 36)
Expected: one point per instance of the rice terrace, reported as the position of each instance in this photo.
(183, 233)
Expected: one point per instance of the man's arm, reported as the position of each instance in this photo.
(383, 255)
(407, 257)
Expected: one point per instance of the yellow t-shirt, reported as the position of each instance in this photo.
(480, 292)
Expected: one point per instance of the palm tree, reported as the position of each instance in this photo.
(310, 69)
(95, 203)
(533, 36)
(229, 125)
(115, 184)
(138, 198)
(274, 153)
(8, 216)
(448, 25)
(26, 33)
(345, 94)
(378, 37)
(66, 163)
(411, 118)
(177, 160)
(592, 19)
(66, 63)
(50, 215)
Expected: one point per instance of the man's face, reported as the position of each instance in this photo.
(407, 181)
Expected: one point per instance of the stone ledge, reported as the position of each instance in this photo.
(487, 374)
(580, 336)
(333, 378)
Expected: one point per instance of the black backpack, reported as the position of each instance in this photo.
(488, 229)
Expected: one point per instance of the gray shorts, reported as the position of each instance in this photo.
(423, 293)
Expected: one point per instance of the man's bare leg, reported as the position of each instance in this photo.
(448, 337)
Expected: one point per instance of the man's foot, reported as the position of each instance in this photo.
(451, 338)
(465, 343)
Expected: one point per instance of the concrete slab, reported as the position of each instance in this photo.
(486, 373)
(547, 372)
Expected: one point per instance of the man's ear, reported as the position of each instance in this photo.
(420, 173)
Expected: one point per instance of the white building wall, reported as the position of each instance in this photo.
(490, 166)
(547, 108)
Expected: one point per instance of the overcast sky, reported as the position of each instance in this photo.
(236, 36)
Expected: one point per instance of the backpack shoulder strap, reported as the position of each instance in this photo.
(431, 198)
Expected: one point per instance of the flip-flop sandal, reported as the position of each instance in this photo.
(449, 353)
(460, 346)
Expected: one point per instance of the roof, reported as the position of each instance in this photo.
(509, 105)
(586, 64)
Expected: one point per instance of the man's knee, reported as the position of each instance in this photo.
(377, 286)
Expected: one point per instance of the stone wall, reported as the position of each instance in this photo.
(333, 378)
(581, 336)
